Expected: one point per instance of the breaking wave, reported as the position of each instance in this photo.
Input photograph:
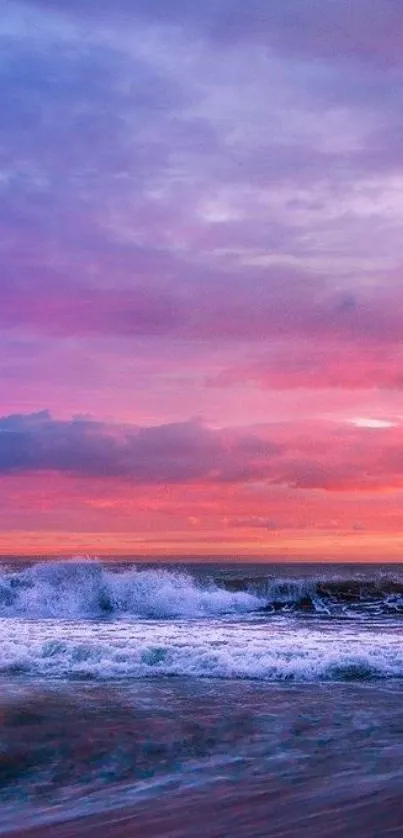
(80, 619)
(86, 589)
(337, 596)
(78, 589)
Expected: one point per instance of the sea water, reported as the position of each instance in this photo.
(123, 684)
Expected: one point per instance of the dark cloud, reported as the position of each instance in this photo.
(321, 455)
(174, 453)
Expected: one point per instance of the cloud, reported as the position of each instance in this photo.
(141, 200)
(277, 329)
(115, 143)
(174, 453)
(311, 456)
(368, 29)
(273, 304)
(320, 364)
(80, 123)
(216, 184)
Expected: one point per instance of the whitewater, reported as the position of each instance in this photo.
(86, 620)
(250, 693)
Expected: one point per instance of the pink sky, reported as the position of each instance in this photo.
(201, 304)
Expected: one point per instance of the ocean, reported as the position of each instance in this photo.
(201, 700)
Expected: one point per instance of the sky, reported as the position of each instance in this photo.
(201, 296)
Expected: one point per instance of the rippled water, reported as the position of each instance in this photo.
(129, 685)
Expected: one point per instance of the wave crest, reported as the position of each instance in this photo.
(335, 596)
(86, 589)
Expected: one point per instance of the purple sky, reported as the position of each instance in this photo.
(201, 244)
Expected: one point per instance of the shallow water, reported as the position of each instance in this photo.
(279, 700)
(73, 750)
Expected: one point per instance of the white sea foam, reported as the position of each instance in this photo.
(88, 589)
(81, 620)
(143, 649)
(75, 589)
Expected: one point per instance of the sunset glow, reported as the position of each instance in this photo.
(201, 302)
